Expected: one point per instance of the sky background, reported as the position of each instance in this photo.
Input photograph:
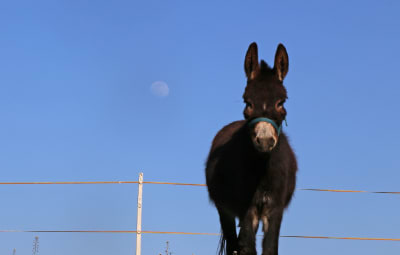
(77, 103)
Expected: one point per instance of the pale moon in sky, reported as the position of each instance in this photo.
(159, 89)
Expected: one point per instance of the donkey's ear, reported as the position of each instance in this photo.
(251, 61)
(281, 65)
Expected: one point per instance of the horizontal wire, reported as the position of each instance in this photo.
(185, 233)
(352, 191)
(191, 233)
(346, 238)
(89, 182)
(177, 183)
(68, 231)
(184, 184)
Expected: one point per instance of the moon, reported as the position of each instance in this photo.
(159, 89)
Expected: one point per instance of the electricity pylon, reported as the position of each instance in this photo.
(35, 249)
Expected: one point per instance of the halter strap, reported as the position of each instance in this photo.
(273, 123)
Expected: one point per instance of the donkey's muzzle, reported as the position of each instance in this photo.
(266, 142)
(264, 136)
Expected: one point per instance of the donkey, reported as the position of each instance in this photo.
(251, 168)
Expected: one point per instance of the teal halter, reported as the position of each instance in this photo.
(273, 123)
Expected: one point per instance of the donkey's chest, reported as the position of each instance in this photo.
(264, 188)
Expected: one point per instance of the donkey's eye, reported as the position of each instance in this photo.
(280, 103)
(248, 104)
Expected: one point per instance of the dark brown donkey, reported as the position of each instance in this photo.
(251, 168)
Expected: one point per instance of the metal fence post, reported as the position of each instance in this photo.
(139, 216)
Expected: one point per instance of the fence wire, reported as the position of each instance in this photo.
(187, 233)
(188, 184)
(191, 233)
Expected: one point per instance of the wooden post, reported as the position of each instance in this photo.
(139, 216)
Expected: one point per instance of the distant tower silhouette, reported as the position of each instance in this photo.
(14, 251)
(167, 252)
(35, 249)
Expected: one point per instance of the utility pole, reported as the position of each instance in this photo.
(139, 216)
(35, 249)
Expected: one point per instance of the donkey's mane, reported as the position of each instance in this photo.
(265, 68)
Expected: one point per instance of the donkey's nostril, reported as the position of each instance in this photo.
(271, 142)
(267, 143)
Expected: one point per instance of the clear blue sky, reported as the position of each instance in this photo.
(76, 105)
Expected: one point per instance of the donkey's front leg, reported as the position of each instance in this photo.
(272, 225)
(248, 229)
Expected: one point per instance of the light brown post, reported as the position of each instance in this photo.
(139, 216)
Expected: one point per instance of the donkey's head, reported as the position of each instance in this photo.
(264, 97)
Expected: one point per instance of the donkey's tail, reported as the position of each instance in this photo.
(222, 245)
